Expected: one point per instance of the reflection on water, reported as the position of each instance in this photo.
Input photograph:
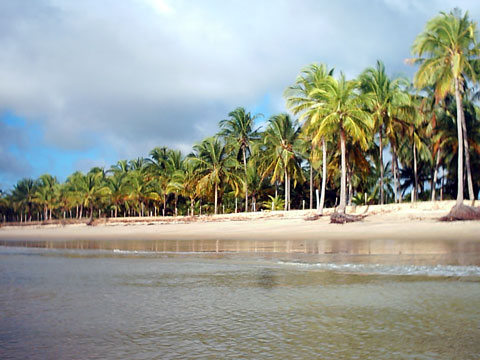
(351, 247)
(109, 305)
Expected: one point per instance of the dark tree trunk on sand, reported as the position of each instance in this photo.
(246, 177)
(460, 142)
(380, 132)
(324, 174)
(343, 185)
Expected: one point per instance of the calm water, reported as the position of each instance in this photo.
(90, 304)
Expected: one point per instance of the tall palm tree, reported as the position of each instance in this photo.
(447, 50)
(45, 194)
(23, 196)
(239, 130)
(386, 98)
(306, 98)
(116, 189)
(343, 113)
(214, 166)
(90, 189)
(140, 190)
(280, 159)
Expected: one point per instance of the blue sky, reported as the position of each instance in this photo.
(87, 83)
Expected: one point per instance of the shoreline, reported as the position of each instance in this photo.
(387, 229)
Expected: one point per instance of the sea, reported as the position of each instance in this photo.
(123, 304)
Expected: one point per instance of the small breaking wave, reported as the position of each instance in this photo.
(382, 269)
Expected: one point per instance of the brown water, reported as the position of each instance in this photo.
(351, 247)
(105, 304)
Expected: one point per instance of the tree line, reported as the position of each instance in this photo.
(370, 140)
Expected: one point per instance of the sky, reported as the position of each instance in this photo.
(87, 83)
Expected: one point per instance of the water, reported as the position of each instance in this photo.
(104, 304)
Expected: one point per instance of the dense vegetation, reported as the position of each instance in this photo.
(373, 139)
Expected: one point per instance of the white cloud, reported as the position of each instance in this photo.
(130, 75)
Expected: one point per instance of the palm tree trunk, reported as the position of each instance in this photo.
(350, 186)
(380, 132)
(286, 190)
(164, 203)
(343, 180)
(324, 174)
(216, 197)
(116, 210)
(458, 100)
(289, 191)
(394, 180)
(246, 177)
(176, 203)
(471, 196)
(311, 184)
(415, 191)
(435, 175)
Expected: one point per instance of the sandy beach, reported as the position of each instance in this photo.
(389, 229)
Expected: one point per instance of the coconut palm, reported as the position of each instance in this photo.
(239, 130)
(45, 194)
(306, 98)
(386, 100)
(89, 188)
(140, 190)
(280, 160)
(343, 113)
(447, 50)
(116, 190)
(23, 196)
(214, 167)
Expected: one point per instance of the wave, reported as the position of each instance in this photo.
(382, 269)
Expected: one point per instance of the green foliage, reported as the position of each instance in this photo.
(349, 123)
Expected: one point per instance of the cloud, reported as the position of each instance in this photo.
(130, 75)
(13, 141)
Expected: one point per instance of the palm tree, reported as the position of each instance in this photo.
(89, 188)
(140, 190)
(343, 113)
(446, 51)
(116, 189)
(280, 158)
(45, 194)
(386, 98)
(23, 196)
(214, 166)
(306, 98)
(239, 130)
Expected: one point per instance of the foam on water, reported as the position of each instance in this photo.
(382, 269)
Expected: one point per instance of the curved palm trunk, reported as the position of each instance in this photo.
(380, 132)
(394, 172)
(350, 185)
(164, 204)
(343, 181)
(467, 158)
(458, 100)
(311, 185)
(415, 190)
(216, 197)
(324, 174)
(246, 178)
(435, 175)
